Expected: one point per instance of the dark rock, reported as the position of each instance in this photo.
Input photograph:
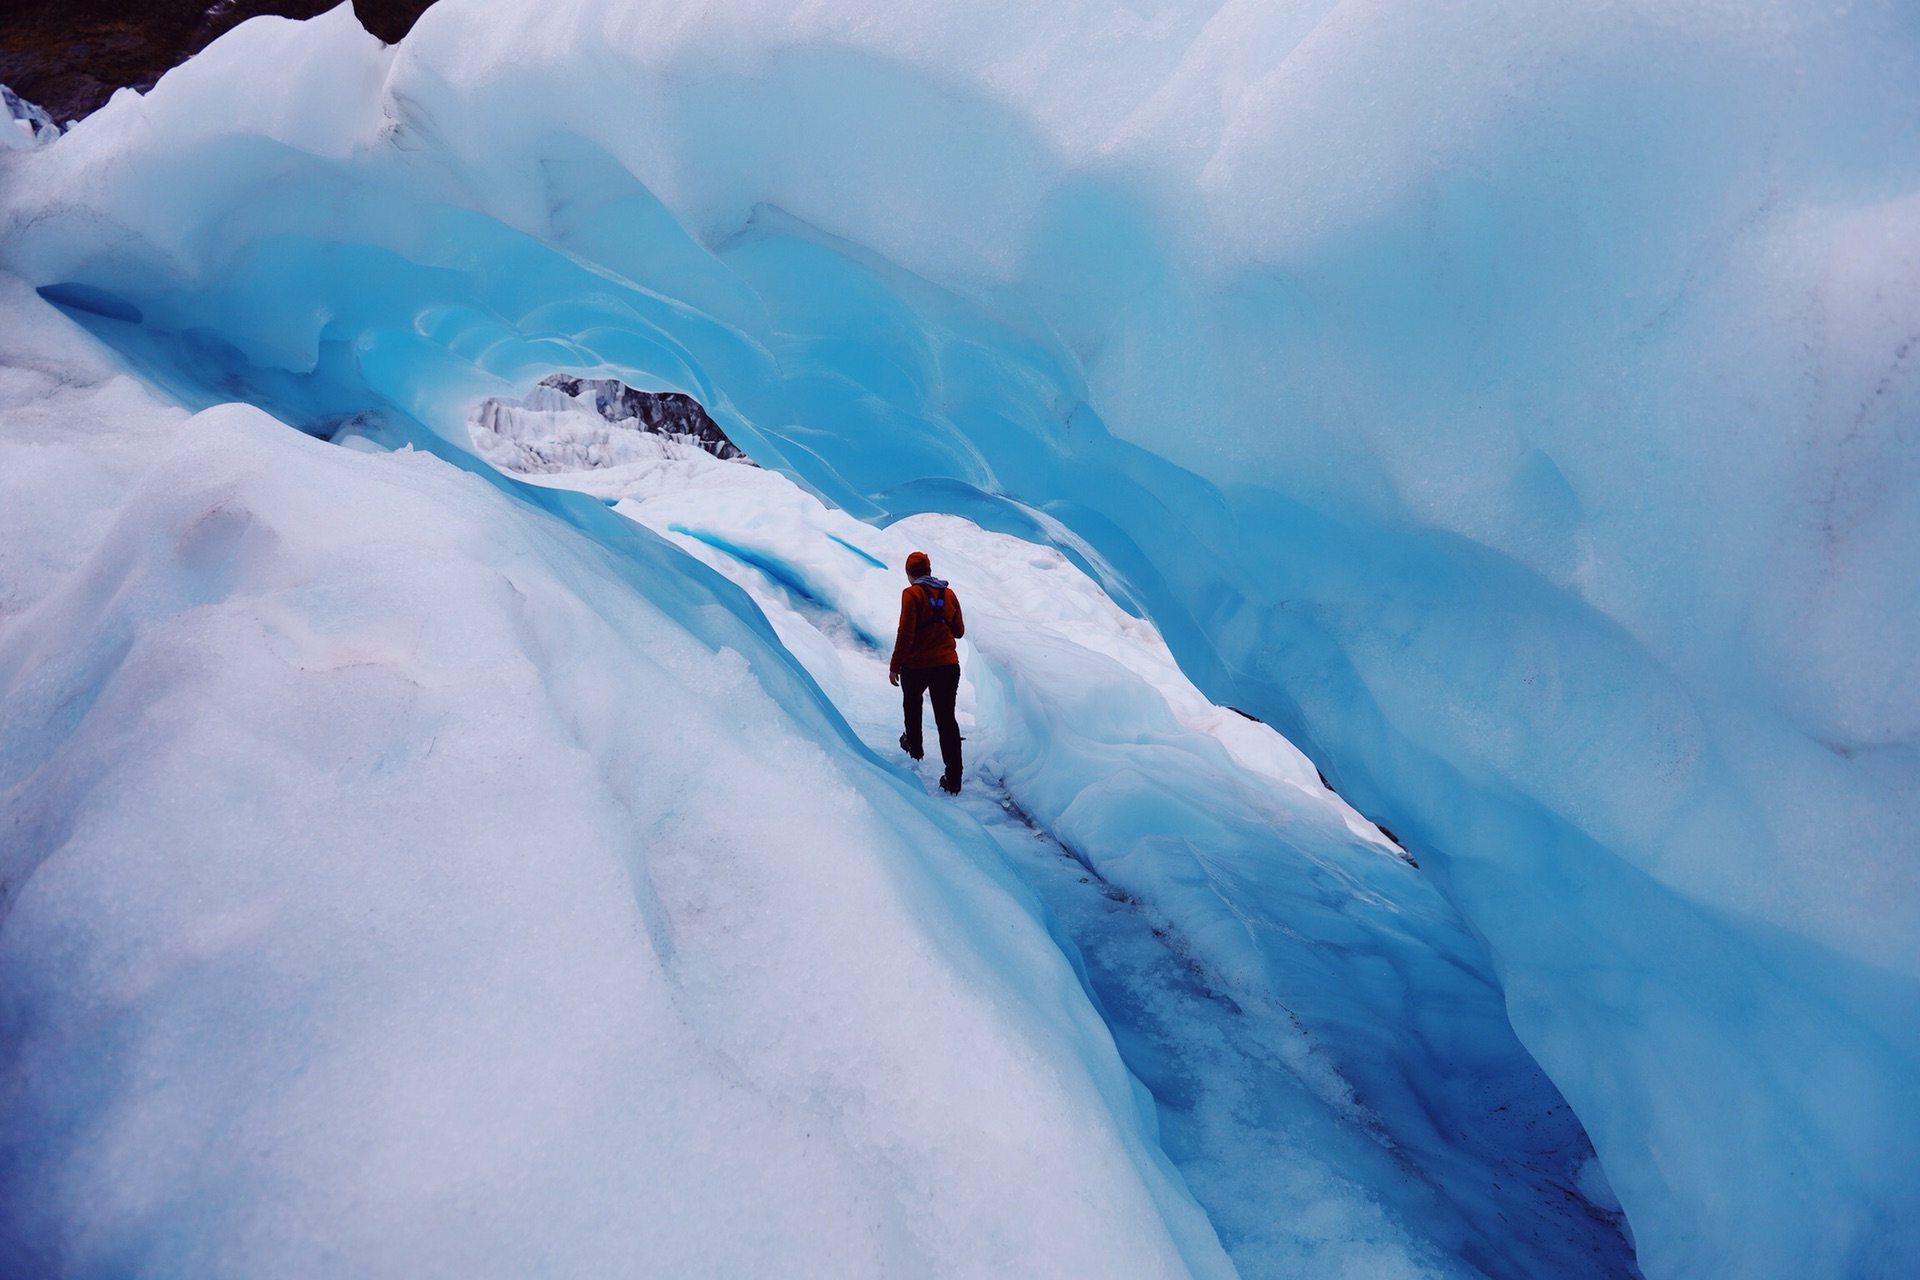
(390, 20)
(70, 55)
(661, 413)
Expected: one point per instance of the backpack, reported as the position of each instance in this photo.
(936, 601)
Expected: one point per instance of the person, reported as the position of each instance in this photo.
(926, 661)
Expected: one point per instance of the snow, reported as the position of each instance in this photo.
(404, 883)
(1255, 943)
(553, 431)
(1510, 403)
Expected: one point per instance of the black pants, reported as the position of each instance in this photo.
(944, 684)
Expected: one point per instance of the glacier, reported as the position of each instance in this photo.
(381, 895)
(1510, 404)
(1325, 1045)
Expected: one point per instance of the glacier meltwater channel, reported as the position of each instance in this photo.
(1510, 403)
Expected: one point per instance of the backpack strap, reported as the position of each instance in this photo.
(937, 598)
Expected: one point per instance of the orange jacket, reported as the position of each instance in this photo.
(925, 638)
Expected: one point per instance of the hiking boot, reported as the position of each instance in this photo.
(909, 748)
(950, 783)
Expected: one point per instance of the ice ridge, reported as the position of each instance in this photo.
(1538, 454)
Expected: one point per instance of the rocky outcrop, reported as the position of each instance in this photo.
(661, 413)
(569, 424)
(70, 55)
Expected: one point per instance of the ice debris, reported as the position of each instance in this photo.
(31, 125)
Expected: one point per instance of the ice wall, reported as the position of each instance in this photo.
(1513, 402)
(1328, 1054)
(398, 882)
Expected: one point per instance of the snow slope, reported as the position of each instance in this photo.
(1509, 401)
(1322, 1036)
(399, 882)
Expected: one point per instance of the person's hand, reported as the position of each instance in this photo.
(893, 678)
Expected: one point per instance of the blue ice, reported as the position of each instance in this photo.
(1511, 406)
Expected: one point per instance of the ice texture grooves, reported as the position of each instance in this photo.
(401, 883)
(1324, 1042)
(1512, 403)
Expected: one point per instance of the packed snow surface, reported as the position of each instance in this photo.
(399, 882)
(1512, 403)
(1326, 1048)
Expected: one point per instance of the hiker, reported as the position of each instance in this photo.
(925, 661)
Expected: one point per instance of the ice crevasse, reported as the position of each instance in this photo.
(1511, 403)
